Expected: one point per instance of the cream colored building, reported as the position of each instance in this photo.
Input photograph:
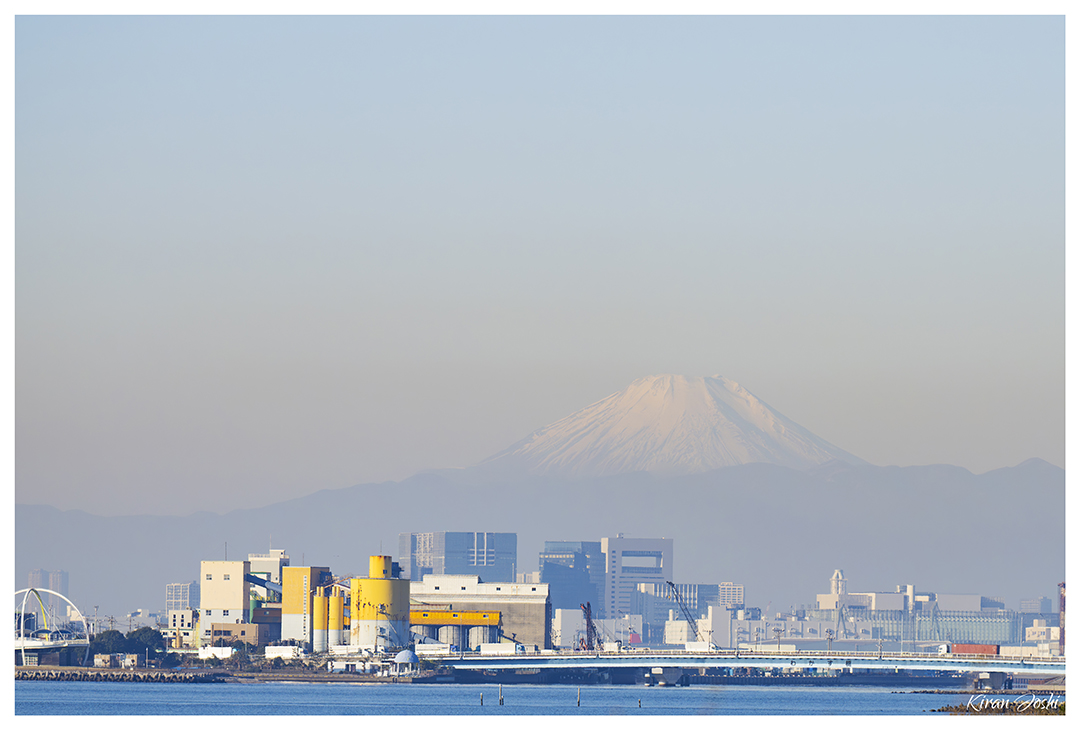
(525, 608)
(223, 595)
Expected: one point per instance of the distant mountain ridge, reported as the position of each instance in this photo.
(780, 531)
(668, 424)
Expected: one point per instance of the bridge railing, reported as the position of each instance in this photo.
(811, 654)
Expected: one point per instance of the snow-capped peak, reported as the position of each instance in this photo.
(670, 424)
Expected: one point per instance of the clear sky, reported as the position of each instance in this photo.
(259, 257)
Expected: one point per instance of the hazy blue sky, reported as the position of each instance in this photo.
(256, 258)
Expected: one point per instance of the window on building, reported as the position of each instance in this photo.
(208, 576)
(208, 612)
(226, 576)
(225, 612)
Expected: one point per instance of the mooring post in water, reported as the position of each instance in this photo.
(481, 699)
(579, 696)
(639, 703)
(500, 694)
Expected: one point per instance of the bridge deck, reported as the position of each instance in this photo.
(761, 660)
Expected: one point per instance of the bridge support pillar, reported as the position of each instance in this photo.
(993, 680)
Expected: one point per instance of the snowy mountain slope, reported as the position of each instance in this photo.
(669, 424)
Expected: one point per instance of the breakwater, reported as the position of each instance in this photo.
(77, 674)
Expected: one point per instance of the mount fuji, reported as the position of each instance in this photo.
(668, 425)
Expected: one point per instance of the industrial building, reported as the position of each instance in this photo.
(524, 608)
(490, 555)
(658, 603)
(299, 584)
(224, 595)
(305, 605)
(379, 607)
(910, 615)
(268, 567)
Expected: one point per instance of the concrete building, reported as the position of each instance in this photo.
(627, 562)
(524, 608)
(179, 596)
(182, 626)
(910, 615)
(297, 601)
(490, 555)
(1040, 631)
(223, 595)
(254, 634)
(268, 567)
(838, 597)
(657, 603)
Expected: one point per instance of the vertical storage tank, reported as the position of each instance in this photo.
(336, 618)
(379, 607)
(320, 612)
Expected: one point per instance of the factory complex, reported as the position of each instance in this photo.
(452, 593)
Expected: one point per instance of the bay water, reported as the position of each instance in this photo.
(308, 698)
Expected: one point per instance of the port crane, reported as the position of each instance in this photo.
(591, 642)
(686, 611)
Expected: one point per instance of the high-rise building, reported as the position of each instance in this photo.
(181, 596)
(574, 572)
(1042, 604)
(490, 555)
(629, 561)
(53, 580)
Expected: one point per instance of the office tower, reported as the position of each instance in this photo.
(490, 555)
(629, 561)
(180, 596)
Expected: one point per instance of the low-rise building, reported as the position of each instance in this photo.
(253, 634)
(182, 628)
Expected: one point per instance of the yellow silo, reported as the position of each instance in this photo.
(336, 617)
(319, 616)
(379, 610)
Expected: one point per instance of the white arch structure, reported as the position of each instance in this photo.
(37, 594)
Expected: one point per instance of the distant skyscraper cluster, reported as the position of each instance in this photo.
(55, 580)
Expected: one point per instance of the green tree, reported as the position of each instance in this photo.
(108, 642)
(145, 641)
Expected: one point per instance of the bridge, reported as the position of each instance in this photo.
(30, 644)
(803, 660)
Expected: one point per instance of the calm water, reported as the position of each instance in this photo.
(283, 698)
